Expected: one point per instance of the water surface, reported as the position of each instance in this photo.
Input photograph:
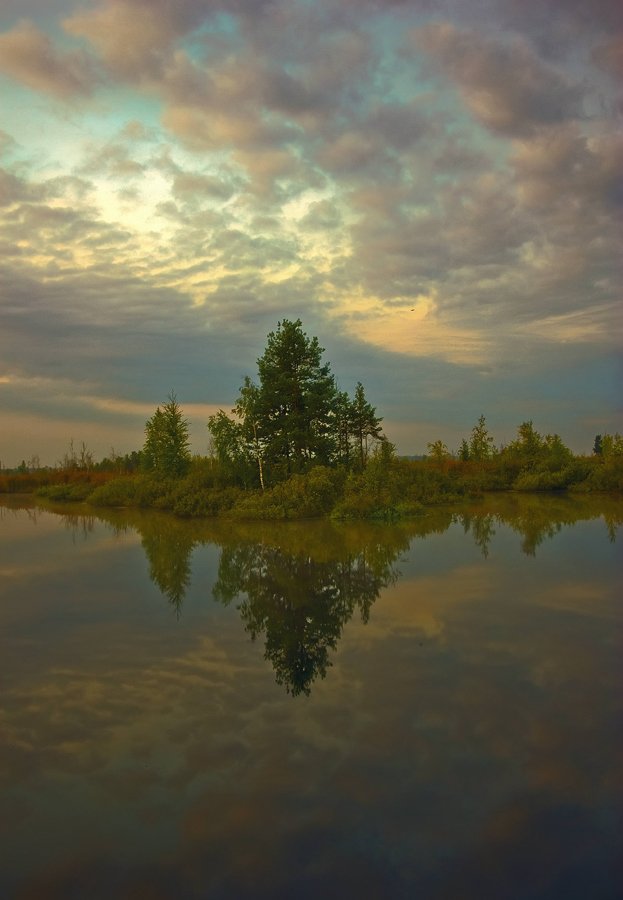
(208, 710)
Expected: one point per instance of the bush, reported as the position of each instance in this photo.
(301, 497)
(66, 493)
(393, 489)
(540, 481)
(605, 476)
(118, 492)
(209, 502)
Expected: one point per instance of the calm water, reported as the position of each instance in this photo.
(207, 711)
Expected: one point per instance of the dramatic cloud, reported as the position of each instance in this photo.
(29, 56)
(431, 187)
(505, 84)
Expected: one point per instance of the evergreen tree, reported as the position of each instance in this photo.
(296, 400)
(342, 425)
(294, 417)
(166, 450)
(365, 425)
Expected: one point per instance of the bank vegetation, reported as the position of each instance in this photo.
(295, 446)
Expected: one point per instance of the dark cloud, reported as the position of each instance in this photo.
(29, 56)
(505, 84)
(335, 161)
(134, 38)
(14, 189)
(609, 56)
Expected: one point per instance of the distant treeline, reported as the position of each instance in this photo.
(295, 446)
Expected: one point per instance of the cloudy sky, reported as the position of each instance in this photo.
(434, 188)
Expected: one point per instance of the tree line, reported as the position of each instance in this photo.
(294, 445)
(293, 417)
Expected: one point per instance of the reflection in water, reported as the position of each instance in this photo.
(169, 542)
(168, 548)
(462, 747)
(482, 527)
(536, 518)
(301, 583)
(300, 604)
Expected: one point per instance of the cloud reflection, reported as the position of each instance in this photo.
(464, 732)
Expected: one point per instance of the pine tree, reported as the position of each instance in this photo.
(365, 425)
(296, 400)
(166, 449)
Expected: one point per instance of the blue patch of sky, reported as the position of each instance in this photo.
(221, 24)
(57, 134)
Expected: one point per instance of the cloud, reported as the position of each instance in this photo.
(505, 85)
(200, 735)
(417, 329)
(29, 56)
(321, 215)
(249, 161)
(565, 167)
(133, 38)
(14, 189)
(609, 56)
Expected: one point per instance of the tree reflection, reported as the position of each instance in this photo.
(482, 528)
(301, 604)
(168, 546)
(300, 583)
(536, 518)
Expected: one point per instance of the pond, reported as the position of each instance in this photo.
(209, 710)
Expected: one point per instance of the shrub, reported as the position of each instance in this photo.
(207, 502)
(301, 497)
(66, 493)
(540, 481)
(605, 476)
(118, 492)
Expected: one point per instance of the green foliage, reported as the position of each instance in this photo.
(481, 443)
(214, 501)
(541, 481)
(438, 452)
(240, 443)
(539, 463)
(117, 492)
(611, 446)
(606, 473)
(391, 489)
(66, 493)
(294, 418)
(363, 425)
(166, 450)
(142, 490)
(298, 603)
(295, 400)
(300, 497)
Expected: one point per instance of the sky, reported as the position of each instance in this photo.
(434, 188)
